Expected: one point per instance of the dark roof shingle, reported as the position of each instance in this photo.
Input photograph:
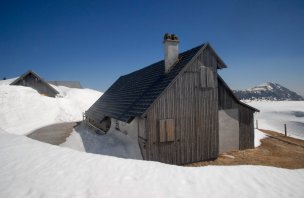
(132, 94)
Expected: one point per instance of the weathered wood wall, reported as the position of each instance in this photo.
(195, 113)
(246, 128)
(227, 101)
(35, 83)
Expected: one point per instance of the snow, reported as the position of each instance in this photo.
(7, 81)
(74, 141)
(274, 114)
(114, 143)
(29, 168)
(265, 87)
(23, 109)
(269, 91)
(258, 136)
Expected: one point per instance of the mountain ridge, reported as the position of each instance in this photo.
(268, 91)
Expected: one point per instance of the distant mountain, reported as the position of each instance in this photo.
(268, 91)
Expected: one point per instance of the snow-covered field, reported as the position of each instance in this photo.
(23, 109)
(30, 168)
(274, 114)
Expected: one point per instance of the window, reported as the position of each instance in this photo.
(105, 124)
(167, 130)
(207, 77)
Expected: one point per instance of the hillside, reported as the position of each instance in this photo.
(23, 109)
(268, 91)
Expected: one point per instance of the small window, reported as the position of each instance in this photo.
(207, 77)
(167, 130)
(105, 124)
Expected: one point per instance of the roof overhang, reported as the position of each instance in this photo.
(220, 63)
(234, 96)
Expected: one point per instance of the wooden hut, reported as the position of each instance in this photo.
(33, 80)
(179, 109)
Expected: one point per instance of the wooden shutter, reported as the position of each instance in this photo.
(210, 78)
(203, 76)
(162, 131)
(166, 130)
(170, 129)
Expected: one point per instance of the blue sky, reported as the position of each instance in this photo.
(97, 41)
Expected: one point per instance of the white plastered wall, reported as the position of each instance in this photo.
(228, 130)
(130, 129)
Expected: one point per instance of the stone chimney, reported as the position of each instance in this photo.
(171, 50)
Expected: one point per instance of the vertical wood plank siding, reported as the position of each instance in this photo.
(227, 101)
(246, 128)
(42, 87)
(195, 113)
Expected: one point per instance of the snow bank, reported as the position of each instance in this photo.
(7, 81)
(274, 114)
(23, 109)
(74, 141)
(258, 136)
(114, 143)
(29, 168)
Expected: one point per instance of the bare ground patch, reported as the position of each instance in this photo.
(53, 134)
(276, 150)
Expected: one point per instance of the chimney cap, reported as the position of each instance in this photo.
(172, 37)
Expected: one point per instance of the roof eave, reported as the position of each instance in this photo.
(221, 63)
(234, 96)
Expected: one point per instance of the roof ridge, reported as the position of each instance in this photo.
(139, 89)
(181, 55)
(158, 62)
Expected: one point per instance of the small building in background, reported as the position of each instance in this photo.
(33, 80)
(179, 110)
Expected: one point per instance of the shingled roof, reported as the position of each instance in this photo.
(132, 94)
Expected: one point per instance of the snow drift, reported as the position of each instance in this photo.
(23, 109)
(30, 168)
(114, 143)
